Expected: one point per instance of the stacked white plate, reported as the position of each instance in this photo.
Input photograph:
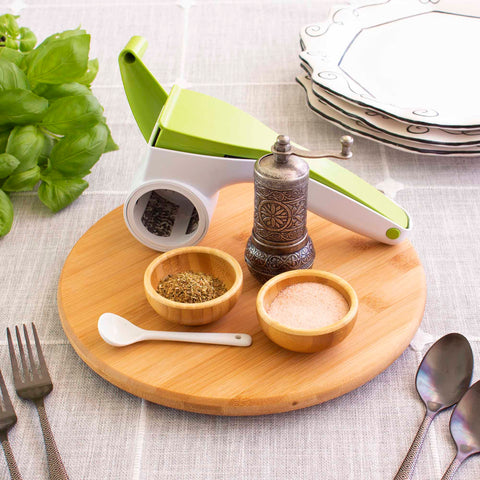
(401, 72)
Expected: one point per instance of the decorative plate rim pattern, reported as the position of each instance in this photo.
(324, 45)
(360, 128)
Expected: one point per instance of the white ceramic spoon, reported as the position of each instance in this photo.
(119, 332)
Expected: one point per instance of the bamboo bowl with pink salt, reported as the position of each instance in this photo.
(307, 310)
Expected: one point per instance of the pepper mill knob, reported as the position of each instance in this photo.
(282, 144)
(346, 142)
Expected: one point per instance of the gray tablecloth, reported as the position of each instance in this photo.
(246, 53)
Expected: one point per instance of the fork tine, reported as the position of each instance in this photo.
(13, 360)
(26, 370)
(7, 403)
(33, 364)
(41, 358)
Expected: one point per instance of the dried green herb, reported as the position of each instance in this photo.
(191, 287)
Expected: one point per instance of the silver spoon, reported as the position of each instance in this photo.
(465, 429)
(119, 332)
(442, 378)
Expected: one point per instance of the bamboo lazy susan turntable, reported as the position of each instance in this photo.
(185, 166)
(104, 272)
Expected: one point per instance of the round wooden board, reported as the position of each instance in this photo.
(104, 273)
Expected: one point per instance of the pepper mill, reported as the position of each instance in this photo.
(279, 240)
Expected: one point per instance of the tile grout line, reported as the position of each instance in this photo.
(127, 3)
(210, 84)
(185, 5)
(86, 193)
(384, 162)
(142, 424)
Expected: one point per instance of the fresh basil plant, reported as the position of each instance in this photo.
(52, 128)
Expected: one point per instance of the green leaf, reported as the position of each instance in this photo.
(9, 25)
(11, 76)
(59, 60)
(62, 35)
(47, 148)
(91, 72)
(3, 140)
(53, 92)
(11, 43)
(21, 107)
(26, 143)
(69, 114)
(76, 154)
(22, 182)
(110, 146)
(6, 214)
(58, 193)
(8, 163)
(12, 56)
(27, 39)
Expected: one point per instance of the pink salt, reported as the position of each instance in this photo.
(308, 306)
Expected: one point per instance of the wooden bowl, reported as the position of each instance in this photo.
(307, 341)
(197, 259)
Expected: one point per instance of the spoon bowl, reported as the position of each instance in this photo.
(445, 372)
(119, 332)
(465, 428)
(443, 376)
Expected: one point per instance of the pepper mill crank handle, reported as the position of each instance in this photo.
(345, 153)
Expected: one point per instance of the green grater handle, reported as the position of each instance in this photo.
(145, 95)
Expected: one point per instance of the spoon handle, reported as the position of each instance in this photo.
(233, 339)
(406, 469)
(448, 475)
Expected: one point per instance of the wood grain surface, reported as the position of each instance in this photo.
(104, 273)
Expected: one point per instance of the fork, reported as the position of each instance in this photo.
(7, 420)
(35, 384)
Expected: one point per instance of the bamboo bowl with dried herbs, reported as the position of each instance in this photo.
(193, 285)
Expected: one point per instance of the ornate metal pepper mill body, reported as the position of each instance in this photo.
(279, 240)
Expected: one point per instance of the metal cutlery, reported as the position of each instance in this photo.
(7, 421)
(442, 378)
(465, 429)
(33, 382)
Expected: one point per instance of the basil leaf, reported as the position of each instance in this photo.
(11, 43)
(110, 146)
(22, 182)
(9, 25)
(91, 73)
(6, 213)
(8, 163)
(62, 35)
(26, 144)
(53, 92)
(11, 76)
(60, 60)
(12, 56)
(3, 140)
(76, 154)
(27, 39)
(69, 114)
(46, 150)
(21, 107)
(58, 193)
